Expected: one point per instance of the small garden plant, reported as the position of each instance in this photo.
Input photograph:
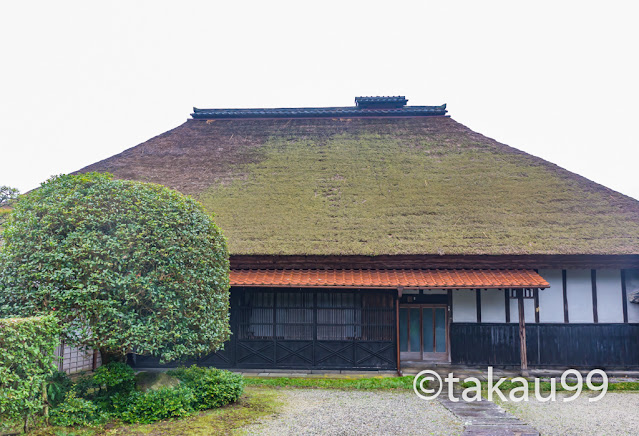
(111, 393)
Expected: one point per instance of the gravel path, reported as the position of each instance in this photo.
(335, 412)
(614, 414)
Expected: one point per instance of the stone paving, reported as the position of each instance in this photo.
(485, 418)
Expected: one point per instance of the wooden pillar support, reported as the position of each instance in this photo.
(399, 363)
(522, 333)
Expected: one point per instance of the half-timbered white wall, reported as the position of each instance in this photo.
(579, 296)
(552, 299)
(464, 306)
(492, 305)
(609, 297)
(579, 292)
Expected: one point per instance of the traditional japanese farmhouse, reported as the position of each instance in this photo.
(383, 235)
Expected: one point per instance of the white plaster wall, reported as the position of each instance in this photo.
(632, 285)
(579, 292)
(529, 310)
(464, 305)
(551, 300)
(493, 305)
(609, 296)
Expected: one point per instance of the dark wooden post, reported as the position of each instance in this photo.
(522, 333)
(399, 364)
(61, 363)
(94, 364)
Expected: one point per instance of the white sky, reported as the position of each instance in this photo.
(81, 81)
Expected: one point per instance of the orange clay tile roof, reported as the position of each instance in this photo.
(390, 278)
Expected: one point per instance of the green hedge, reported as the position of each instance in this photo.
(27, 347)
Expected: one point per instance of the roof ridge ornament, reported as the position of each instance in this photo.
(381, 102)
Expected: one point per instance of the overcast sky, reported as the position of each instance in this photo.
(81, 81)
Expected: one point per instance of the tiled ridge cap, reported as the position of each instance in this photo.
(320, 112)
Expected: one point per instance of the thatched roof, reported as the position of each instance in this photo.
(379, 185)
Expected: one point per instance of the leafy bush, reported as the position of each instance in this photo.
(76, 411)
(211, 387)
(27, 348)
(115, 377)
(151, 406)
(145, 265)
(86, 387)
(107, 382)
(59, 384)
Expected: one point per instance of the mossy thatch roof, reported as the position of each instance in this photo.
(422, 185)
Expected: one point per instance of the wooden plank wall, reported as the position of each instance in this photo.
(562, 345)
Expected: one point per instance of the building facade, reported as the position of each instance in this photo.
(382, 235)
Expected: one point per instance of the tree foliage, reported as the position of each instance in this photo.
(7, 196)
(126, 266)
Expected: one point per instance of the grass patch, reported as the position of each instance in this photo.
(405, 382)
(254, 404)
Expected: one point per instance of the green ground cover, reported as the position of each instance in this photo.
(405, 382)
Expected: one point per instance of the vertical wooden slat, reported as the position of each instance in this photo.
(593, 281)
(314, 327)
(275, 327)
(624, 296)
(564, 282)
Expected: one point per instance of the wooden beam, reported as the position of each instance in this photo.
(624, 296)
(528, 261)
(593, 281)
(478, 303)
(564, 283)
(522, 333)
(507, 304)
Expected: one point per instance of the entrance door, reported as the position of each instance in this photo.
(423, 332)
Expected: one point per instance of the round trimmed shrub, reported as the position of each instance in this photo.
(126, 266)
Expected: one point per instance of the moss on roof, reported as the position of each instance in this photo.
(425, 185)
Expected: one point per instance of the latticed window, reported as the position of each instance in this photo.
(316, 315)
